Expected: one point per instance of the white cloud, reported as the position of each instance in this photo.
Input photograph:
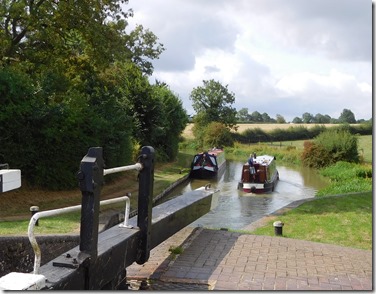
(279, 57)
(336, 91)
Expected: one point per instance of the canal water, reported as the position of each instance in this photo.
(234, 209)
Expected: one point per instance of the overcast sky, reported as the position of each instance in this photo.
(282, 57)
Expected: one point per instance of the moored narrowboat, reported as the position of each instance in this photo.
(261, 176)
(209, 164)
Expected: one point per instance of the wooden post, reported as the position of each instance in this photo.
(145, 202)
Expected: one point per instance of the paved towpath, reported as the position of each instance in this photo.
(222, 260)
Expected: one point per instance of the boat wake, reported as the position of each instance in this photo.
(301, 187)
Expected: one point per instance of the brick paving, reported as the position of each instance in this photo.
(222, 260)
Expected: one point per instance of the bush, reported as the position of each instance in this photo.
(315, 156)
(341, 144)
(217, 134)
(254, 135)
(329, 147)
(48, 141)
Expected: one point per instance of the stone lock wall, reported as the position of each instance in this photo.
(17, 255)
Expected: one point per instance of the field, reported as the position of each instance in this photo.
(265, 127)
(364, 143)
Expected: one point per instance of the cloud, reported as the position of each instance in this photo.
(339, 29)
(187, 29)
(336, 91)
(280, 57)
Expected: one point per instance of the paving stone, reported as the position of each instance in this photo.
(222, 260)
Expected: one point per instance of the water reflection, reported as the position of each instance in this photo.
(235, 209)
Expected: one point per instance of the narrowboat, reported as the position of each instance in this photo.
(209, 164)
(263, 178)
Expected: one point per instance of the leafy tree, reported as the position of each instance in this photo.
(213, 102)
(242, 115)
(45, 141)
(63, 33)
(82, 76)
(266, 118)
(174, 121)
(334, 120)
(297, 120)
(322, 119)
(256, 117)
(307, 118)
(144, 47)
(347, 117)
(280, 119)
(217, 135)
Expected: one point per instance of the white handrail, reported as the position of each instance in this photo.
(136, 166)
(59, 211)
(126, 213)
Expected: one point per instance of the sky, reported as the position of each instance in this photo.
(285, 57)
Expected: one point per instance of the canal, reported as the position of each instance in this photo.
(234, 209)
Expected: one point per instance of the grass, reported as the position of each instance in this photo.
(346, 177)
(15, 214)
(344, 221)
(365, 148)
(175, 251)
(62, 224)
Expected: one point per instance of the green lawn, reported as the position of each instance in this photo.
(340, 220)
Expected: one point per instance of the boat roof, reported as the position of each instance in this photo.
(263, 159)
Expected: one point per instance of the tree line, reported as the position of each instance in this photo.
(346, 116)
(71, 77)
(215, 125)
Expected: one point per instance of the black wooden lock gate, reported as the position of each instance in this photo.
(100, 260)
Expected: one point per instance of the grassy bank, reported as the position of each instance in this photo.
(344, 221)
(15, 214)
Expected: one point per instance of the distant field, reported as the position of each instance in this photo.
(265, 127)
(364, 143)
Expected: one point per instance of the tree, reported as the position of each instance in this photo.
(213, 103)
(71, 78)
(61, 33)
(217, 134)
(266, 118)
(242, 115)
(280, 119)
(347, 117)
(256, 117)
(46, 141)
(297, 120)
(307, 118)
(174, 120)
(322, 119)
(144, 48)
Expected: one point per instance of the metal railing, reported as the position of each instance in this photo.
(36, 216)
(137, 166)
(54, 212)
